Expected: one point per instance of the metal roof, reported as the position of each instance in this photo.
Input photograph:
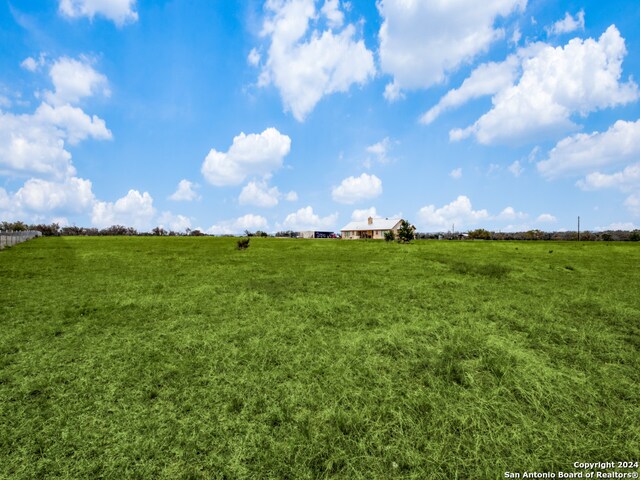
(376, 224)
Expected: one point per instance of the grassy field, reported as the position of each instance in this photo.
(186, 358)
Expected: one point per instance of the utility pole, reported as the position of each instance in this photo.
(578, 228)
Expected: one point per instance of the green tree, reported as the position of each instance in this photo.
(480, 234)
(406, 232)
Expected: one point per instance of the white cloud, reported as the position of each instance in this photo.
(509, 213)
(624, 180)
(486, 79)
(72, 195)
(29, 64)
(363, 214)
(393, 92)
(306, 219)
(546, 218)
(186, 192)
(254, 57)
(619, 226)
(355, 189)
(35, 143)
(291, 196)
(259, 194)
(421, 42)
(133, 210)
(556, 83)
(176, 223)
(253, 154)
(459, 212)
(118, 11)
(456, 173)
(380, 151)
(303, 67)
(75, 125)
(516, 168)
(249, 222)
(567, 24)
(75, 79)
(331, 10)
(583, 152)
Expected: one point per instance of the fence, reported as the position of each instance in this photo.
(8, 239)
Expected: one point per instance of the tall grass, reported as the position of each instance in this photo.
(185, 358)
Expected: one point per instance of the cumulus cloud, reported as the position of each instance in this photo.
(74, 79)
(261, 195)
(555, 84)
(186, 192)
(509, 213)
(34, 143)
(253, 154)
(38, 198)
(421, 42)
(624, 180)
(118, 11)
(176, 223)
(583, 152)
(456, 173)
(356, 189)
(363, 214)
(249, 222)
(305, 66)
(135, 210)
(72, 195)
(486, 79)
(546, 218)
(567, 24)
(459, 212)
(306, 219)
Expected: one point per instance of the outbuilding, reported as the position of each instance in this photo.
(371, 228)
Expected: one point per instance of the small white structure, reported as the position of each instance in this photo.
(371, 228)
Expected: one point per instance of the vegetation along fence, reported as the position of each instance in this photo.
(7, 239)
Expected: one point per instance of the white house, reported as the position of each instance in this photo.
(371, 228)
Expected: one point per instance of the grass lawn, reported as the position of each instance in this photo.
(186, 358)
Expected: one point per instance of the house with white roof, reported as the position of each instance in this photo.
(371, 228)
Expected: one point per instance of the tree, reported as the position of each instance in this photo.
(406, 232)
(480, 234)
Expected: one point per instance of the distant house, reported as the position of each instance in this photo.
(371, 228)
(316, 234)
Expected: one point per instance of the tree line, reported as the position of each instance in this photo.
(407, 233)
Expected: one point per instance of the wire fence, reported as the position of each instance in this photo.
(8, 239)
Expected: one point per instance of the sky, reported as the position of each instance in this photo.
(233, 115)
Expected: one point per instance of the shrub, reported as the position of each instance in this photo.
(243, 243)
(389, 236)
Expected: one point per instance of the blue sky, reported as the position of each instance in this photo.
(230, 115)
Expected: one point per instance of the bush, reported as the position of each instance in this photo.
(389, 236)
(243, 243)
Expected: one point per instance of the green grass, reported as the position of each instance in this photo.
(186, 358)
